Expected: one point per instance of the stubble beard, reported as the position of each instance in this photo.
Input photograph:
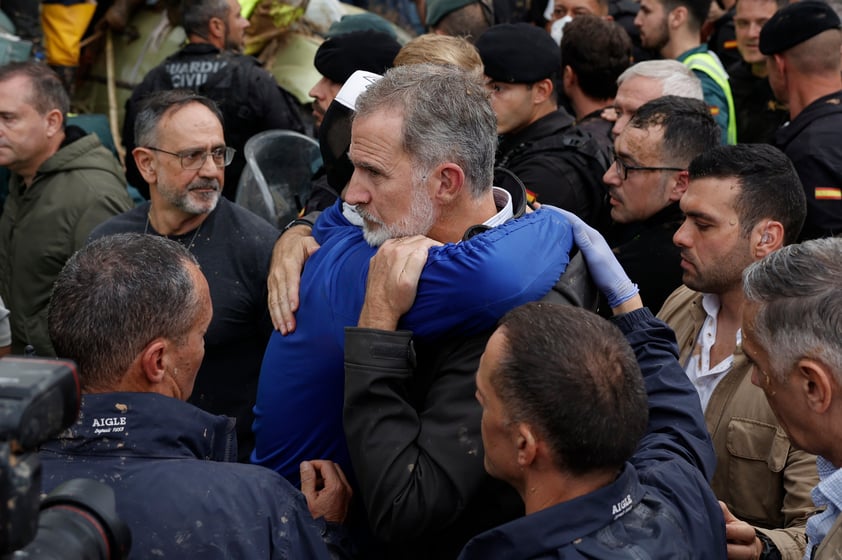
(657, 43)
(191, 202)
(725, 276)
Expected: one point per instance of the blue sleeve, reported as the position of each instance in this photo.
(464, 286)
(468, 286)
(676, 428)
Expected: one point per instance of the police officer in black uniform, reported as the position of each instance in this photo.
(558, 164)
(802, 46)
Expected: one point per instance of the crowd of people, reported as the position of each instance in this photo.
(566, 286)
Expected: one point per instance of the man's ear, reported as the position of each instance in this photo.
(146, 164)
(153, 361)
(817, 383)
(542, 91)
(677, 17)
(216, 29)
(682, 180)
(767, 237)
(527, 445)
(449, 179)
(780, 63)
(568, 77)
(55, 122)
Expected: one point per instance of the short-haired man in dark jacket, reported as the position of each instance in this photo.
(647, 180)
(802, 45)
(609, 463)
(521, 65)
(132, 311)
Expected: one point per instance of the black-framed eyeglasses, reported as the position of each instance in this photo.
(623, 168)
(195, 159)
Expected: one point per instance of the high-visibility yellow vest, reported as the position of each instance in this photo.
(710, 65)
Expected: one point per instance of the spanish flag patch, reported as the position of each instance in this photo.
(828, 193)
(530, 196)
(730, 44)
(714, 110)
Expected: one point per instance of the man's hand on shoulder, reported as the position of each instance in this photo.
(393, 275)
(606, 271)
(291, 251)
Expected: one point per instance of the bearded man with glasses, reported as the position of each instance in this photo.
(645, 183)
(181, 153)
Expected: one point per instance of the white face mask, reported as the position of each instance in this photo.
(548, 11)
(557, 29)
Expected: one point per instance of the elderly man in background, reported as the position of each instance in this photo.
(791, 338)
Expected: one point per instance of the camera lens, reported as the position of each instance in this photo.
(79, 521)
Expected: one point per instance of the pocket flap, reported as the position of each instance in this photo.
(758, 441)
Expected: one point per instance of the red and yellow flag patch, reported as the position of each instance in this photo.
(828, 193)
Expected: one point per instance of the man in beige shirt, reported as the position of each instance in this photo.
(742, 203)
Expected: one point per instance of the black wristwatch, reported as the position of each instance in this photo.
(307, 220)
(770, 551)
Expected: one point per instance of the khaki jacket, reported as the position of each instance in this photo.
(831, 546)
(759, 475)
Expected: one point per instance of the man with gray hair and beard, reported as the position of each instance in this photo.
(401, 414)
(182, 154)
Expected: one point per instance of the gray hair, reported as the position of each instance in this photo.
(115, 296)
(154, 106)
(800, 304)
(676, 79)
(196, 15)
(447, 117)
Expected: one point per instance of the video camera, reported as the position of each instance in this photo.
(38, 399)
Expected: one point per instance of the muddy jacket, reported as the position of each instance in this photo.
(660, 506)
(74, 191)
(165, 460)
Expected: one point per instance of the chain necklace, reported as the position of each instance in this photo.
(188, 245)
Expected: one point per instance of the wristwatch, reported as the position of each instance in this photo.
(770, 551)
